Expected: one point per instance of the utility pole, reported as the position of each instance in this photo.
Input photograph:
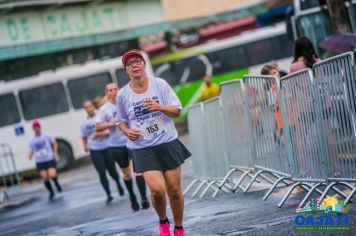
(339, 16)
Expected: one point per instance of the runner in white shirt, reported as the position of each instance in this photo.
(95, 143)
(116, 142)
(44, 149)
(146, 107)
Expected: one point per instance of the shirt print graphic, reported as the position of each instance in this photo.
(142, 112)
(40, 149)
(151, 124)
(39, 145)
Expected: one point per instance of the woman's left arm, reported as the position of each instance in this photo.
(171, 111)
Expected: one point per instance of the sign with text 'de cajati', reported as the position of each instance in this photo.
(71, 21)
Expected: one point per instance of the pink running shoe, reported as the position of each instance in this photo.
(179, 232)
(164, 229)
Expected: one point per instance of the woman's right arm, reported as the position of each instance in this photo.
(131, 134)
(102, 134)
(85, 144)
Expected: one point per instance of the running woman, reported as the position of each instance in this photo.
(95, 143)
(44, 149)
(117, 143)
(146, 106)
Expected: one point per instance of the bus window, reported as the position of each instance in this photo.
(269, 49)
(43, 101)
(259, 52)
(315, 26)
(9, 112)
(190, 69)
(122, 77)
(88, 87)
(167, 71)
(228, 59)
(281, 47)
(306, 4)
(181, 71)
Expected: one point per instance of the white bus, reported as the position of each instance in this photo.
(311, 19)
(55, 99)
(223, 59)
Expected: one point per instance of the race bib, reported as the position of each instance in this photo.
(42, 153)
(152, 128)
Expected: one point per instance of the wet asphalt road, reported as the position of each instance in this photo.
(81, 210)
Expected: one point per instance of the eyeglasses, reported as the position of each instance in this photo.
(137, 61)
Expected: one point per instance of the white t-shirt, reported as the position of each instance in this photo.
(107, 113)
(88, 132)
(155, 127)
(41, 147)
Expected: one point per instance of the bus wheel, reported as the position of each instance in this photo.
(65, 156)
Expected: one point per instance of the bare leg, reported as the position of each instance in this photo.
(127, 172)
(44, 175)
(173, 185)
(155, 182)
(52, 172)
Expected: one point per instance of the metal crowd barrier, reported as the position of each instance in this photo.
(266, 130)
(336, 86)
(305, 150)
(197, 136)
(215, 143)
(238, 147)
(8, 171)
(322, 127)
(208, 147)
(300, 130)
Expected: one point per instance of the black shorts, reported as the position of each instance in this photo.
(120, 155)
(46, 165)
(162, 157)
(130, 154)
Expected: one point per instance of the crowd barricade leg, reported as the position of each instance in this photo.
(225, 179)
(202, 183)
(280, 179)
(208, 187)
(237, 184)
(190, 186)
(245, 173)
(350, 196)
(331, 186)
(304, 185)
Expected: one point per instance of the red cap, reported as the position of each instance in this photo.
(132, 53)
(36, 123)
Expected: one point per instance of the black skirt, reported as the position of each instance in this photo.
(162, 157)
(46, 165)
